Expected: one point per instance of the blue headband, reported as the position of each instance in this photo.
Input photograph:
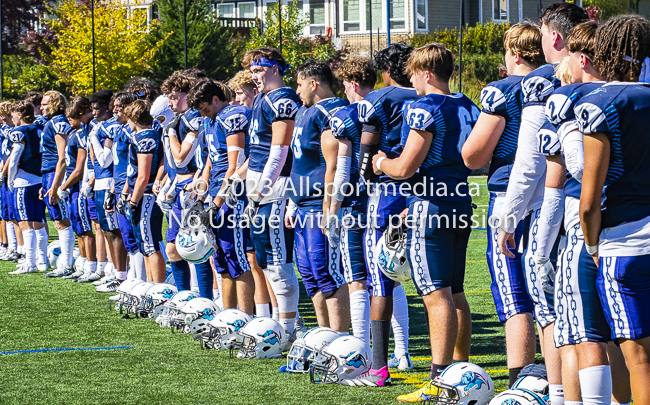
(261, 61)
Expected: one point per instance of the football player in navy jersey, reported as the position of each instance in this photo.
(314, 150)
(225, 128)
(349, 197)
(14, 236)
(380, 112)
(53, 143)
(80, 113)
(144, 215)
(182, 147)
(245, 92)
(24, 181)
(100, 102)
(614, 204)
(35, 98)
(525, 192)
(494, 140)
(438, 221)
(269, 164)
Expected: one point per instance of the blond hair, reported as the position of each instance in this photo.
(243, 80)
(57, 105)
(5, 108)
(435, 58)
(525, 39)
(562, 72)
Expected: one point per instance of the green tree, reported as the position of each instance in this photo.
(122, 45)
(210, 47)
(609, 8)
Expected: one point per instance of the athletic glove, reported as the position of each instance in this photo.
(250, 212)
(229, 192)
(63, 194)
(120, 205)
(210, 217)
(129, 213)
(546, 273)
(3, 180)
(109, 201)
(87, 191)
(193, 211)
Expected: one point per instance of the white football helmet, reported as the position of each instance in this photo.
(347, 357)
(517, 397)
(137, 295)
(391, 254)
(262, 338)
(172, 308)
(195, 243)
(124, 288)
(308, 345)
(222, 332)
(156, 296)
(53, 253)
(463, 384)
(194, 317)
(533, 378)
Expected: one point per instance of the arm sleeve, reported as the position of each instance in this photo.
(273, 168)
(103, 155)
(14, 159)
(341, 177)
(194, 140)
(550, 219)
(574, 154)
(527, 171)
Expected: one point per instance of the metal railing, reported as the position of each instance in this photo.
(243, 25)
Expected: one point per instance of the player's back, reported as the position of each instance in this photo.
(56, 125)
(30, 160)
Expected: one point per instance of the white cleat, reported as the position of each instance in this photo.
(25, 270)
(109, 287)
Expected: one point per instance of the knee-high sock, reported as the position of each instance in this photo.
(181, 272)
(380, 332)
(205, 279)
(596, 385)
(360, 314)
(400, 321)
(11, 236)
(136, 261)
(194, 281)
(556, 394)
(41, 246)
(262, 310)
(66, 237)
(29, 240)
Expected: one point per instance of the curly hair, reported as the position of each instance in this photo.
(242, 80)
(125, 98)
(435, 58)
(582, 38)
(360, 70)
(393, 60)
(177, 82)
(57, 105)
(525, 39)
(623, 43)
(142, 87)
(26, 110)
(5, 108)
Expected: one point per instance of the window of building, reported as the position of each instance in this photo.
(317, 17)
(366, 15)
(421, 20)
(246, 10)
(351, 15)
(397, 14)
(226, 10)
(500, 10)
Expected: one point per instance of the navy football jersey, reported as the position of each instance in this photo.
(276, 105)
(619, 111)
(503, 98)
(191, 122)
(56, 125)
(5, 143)
(87, 128)
(450, 119)
(30, 160)
(230, 121)
(560, 113)
(147, 141)
(40, 121)
(539, 84)
(345, 125)
(109, 129)
(308, 169)
(121, 146)
(77, 140)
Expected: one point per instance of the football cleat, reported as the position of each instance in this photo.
(25, 270)
(41, 266)
(88, 277)
(424, 393)
(402, 363)
(109, 287)
(372, 378)
(301, 329)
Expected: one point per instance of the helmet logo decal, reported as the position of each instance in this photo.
(238, 324)
(186, 241)
(167, 293)
(356, 361)
(207, 313)
(384, 261)
(511, 401)
(271, 337)
(471, 380)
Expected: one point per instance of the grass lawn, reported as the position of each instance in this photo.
(39, 313)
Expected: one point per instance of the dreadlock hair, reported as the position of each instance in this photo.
(26, 110)
(393, 60)
(142, 87)
(623, 43)
(561, 17)
(205, 90)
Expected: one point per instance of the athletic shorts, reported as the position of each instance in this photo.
(230, 257)
(92, 211)
(8, 203)
(79, 216)
(27, 205)
(107, 220)
(436, 244)
(579, 313)
(146, 224)
(58, 211)
(273, 242)
(318, 263)
(176, 214)
(508, 279)
(353, 225)
(130, 241)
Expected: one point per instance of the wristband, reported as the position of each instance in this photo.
(381, 159)
(592, 250)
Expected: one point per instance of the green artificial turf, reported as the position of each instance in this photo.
(39, 313)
